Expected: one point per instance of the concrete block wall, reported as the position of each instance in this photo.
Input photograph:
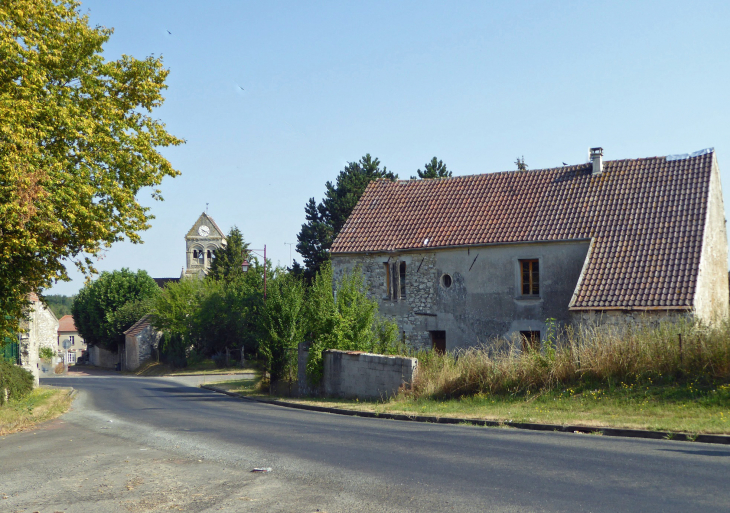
(354, 374)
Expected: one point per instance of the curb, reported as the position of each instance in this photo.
(188, 375)
(618, 432)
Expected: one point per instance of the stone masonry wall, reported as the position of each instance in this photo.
(102, 357)
(354, 374)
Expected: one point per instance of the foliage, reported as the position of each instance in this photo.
(46, 353)
(346, 320)
(326, 219)
(77, 143)
(101, 311)
(210, 315)
(434, 169)
(60, 305)
(16, 380)
(282, 326)
(227, 263)
(601, 357)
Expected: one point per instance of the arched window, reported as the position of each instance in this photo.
(210, 255)
(201, 257)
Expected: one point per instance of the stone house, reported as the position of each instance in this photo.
(40, 329)
(460, 261)
(68, 339)
(140, 344)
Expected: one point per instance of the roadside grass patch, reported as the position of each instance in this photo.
(40, 405)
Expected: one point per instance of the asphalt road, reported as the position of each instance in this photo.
(153, 444)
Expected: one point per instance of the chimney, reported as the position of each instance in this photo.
(597, 159)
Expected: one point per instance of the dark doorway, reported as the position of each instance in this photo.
(438, 341)
(530, 340)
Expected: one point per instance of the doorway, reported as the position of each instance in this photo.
(438, 341)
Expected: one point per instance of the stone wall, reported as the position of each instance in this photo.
(481, 300)
(353, 374)
(140, 348)
(102, 357)
(40, 330)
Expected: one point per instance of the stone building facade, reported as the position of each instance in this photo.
(458, 262)
(37, 331)
(141, 342)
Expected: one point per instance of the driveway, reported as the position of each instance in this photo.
(154, 444)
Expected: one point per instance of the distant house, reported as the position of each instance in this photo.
(40, 329)
(140, 344)
(459, 261)
(68, 339)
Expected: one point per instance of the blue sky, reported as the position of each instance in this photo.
(476, 84)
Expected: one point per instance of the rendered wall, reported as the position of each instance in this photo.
(711, 294)
(40, 331)
(103, 358)
(366, 376)
(483, 301)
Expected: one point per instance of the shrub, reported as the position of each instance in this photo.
(16, 380)
(46, 353)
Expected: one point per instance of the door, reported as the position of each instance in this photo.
(438, 341)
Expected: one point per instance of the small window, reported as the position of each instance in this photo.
(530, 340)
(530, 277)
(209, 258)
(446, 281)
(201, 257)
(402, 279)
(71, 339)
(387, 280)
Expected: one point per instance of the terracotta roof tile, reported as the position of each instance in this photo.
(66, 323)
(645, 218)
(140, 325)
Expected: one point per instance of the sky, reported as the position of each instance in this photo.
(275, 98)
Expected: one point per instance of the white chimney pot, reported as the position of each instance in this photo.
(597, 159)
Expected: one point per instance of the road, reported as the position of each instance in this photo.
(160, 444)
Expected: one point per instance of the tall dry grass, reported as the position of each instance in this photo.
(568, 356)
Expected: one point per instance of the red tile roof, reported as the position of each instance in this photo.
(645, 218)
(66, 323)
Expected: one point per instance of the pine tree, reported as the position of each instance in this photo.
(228, 260)
(326, 219)
(434, 169)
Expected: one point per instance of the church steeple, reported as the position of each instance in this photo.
(201, 242)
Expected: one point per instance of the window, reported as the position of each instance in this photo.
(530, 277)
(201, 257)
(446, 281)
(402, 280)
(530, 340)
(71, 339)
(387, 280)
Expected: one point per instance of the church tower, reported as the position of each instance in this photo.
(201, 242)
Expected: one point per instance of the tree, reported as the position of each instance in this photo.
(109, 305)
(77, 143)
(283, 326)
(227, 263)
(326, 219)
(434, 169)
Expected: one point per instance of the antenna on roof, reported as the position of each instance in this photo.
(206, 208)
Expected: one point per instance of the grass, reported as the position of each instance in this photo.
(40, 405)
(688, 408)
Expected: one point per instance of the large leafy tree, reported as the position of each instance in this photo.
(326, 219)
(227, 263)
(433, 169)
(109, 305)
(77, 143)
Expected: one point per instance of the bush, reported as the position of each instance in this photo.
(16, 380)
(46, 353)
(346, 320)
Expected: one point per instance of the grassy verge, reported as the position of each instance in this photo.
(688, 408)
(40, 405)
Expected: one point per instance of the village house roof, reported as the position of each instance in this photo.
(644, 217)
(162, 282)
(139, 326)
(66, 323)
